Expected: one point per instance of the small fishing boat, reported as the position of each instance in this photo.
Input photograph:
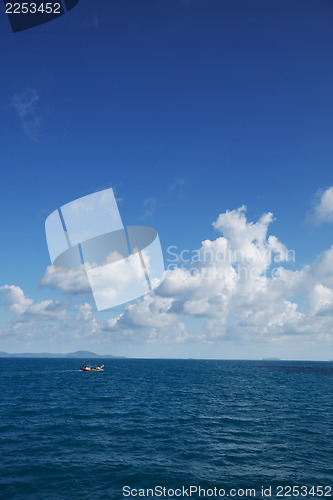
(88, 368)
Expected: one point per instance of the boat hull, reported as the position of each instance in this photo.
(88, 369)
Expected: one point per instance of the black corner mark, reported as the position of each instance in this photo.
(23, 14)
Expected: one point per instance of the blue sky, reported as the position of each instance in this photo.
(187, 108)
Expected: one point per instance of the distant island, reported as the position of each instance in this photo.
(77, 354)
(271, 359)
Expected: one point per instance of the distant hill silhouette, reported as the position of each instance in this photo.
(77, 354)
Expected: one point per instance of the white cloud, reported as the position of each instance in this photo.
(73, 281)
(151, 312)
(47, 321)
(178, 187)
(149, 208)
(321, 299)
(15, 299)
(239, 288)
(25, 103)
(243, 274)
(323, 210)
(87, 321)
(25, 308)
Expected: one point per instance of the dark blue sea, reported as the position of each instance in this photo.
(230, 428)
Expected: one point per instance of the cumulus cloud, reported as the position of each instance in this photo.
(151, 312)
(47, 320)
(241, 286)
(321, 299)
(72, 281)
(23, 307)
(243, 274)
(15, 299)
(323, 210)
(87, 322)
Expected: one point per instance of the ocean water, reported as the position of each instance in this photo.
(229, 425)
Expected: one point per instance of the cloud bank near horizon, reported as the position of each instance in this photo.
(242, 286)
